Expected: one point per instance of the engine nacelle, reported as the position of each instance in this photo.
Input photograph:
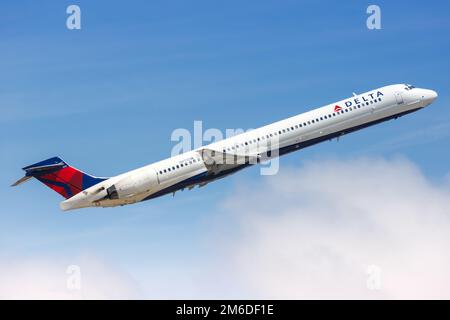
(136, 183)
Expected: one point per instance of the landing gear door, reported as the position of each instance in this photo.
(399, 98)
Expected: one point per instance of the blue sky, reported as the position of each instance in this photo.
(106, 99)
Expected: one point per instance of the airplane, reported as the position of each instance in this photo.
(205, 164)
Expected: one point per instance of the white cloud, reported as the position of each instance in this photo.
(47, 278)
(313, 232)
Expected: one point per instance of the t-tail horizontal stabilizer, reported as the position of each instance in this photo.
(59, 176)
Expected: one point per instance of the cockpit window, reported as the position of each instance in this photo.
(409, 87)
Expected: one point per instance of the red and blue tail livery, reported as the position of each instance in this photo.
(59, 176)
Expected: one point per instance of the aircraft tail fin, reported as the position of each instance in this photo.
(59, 176)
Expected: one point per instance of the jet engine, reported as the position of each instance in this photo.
(135, 183)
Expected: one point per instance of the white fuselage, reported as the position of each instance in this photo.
(191, 168)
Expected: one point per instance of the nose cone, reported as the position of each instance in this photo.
(428, 96)
(433, 95)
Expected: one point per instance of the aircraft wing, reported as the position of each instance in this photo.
(218, 161)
